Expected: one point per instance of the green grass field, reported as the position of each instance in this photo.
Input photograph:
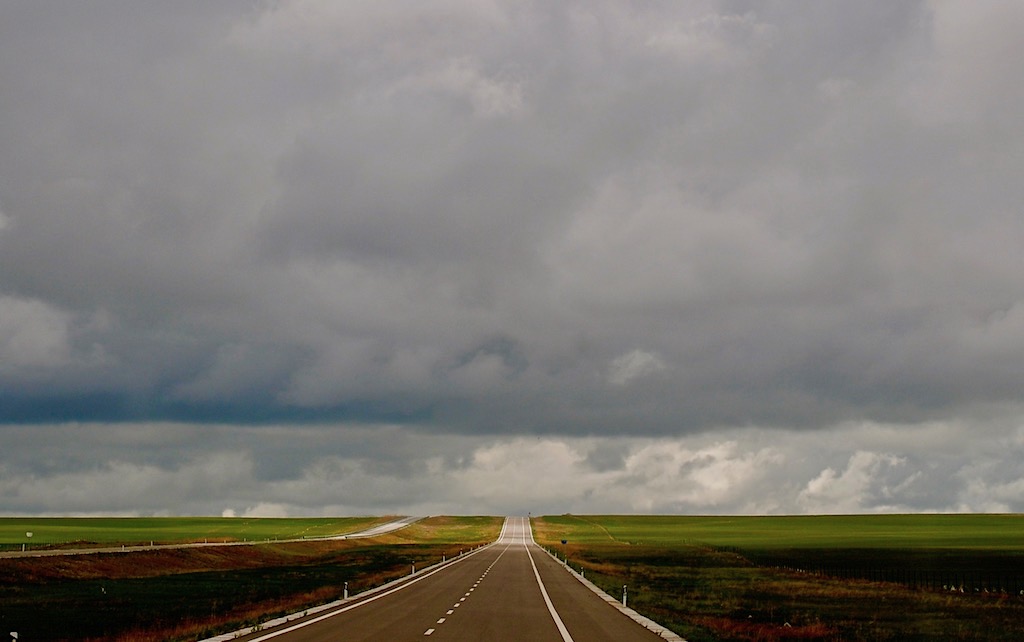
(166, 530)
(1002, 532)
(448, 530)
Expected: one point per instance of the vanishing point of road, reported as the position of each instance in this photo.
(511, 590)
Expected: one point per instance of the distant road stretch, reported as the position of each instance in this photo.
(511, 590)
(379, 529)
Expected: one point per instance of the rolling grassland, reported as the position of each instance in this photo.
(879, 577)
(866, 577)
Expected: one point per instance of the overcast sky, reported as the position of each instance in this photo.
(472, 256)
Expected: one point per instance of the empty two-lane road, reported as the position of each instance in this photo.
(510, 590)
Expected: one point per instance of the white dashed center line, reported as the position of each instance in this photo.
(468, 593)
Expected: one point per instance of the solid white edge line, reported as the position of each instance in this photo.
(543, 591)
(642, 620)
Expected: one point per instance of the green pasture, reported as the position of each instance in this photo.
(449, 530)
(944, 531)
(50, 531)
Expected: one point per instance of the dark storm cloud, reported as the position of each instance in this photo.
(790, 210)
(593, 218)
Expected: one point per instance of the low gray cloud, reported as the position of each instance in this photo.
(327, 470)
(581, 220)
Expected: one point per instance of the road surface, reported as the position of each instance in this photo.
(511, 590)
(380, 529)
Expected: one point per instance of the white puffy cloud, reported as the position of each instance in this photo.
(632, 365)
(850, 490)
(33, 335)
(713, 39)
(488, 96)
(265, 509)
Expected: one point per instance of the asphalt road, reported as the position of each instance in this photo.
(511, 590)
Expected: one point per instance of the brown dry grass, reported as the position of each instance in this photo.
(368, 564)
(193, 629)
(765, 632)
(163, 561)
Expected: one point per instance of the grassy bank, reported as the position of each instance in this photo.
(778, 578)
(994, 532)
(63, 531)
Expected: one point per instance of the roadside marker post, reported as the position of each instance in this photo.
(623, 595)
